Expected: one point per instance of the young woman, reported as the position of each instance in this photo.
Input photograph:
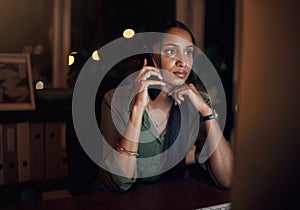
(150, 128)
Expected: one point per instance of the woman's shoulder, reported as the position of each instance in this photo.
(122, 92)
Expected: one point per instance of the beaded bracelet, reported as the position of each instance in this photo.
(131, 153)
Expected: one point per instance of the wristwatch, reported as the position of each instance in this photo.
(214, 115)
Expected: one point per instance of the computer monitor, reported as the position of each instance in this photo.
(266, 131)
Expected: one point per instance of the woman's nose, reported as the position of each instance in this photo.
(180, 62)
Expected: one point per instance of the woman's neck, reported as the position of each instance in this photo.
(159, 110)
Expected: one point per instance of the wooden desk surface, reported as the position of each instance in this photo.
(183, 195)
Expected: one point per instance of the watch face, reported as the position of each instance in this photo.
(215, 113)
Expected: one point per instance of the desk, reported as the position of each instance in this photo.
(183, 195)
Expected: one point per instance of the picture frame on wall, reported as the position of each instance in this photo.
(16, 86)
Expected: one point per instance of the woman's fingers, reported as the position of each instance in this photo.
(147, 71)
(150, 73)
(180, 93)
(144, 84)
(143, 80)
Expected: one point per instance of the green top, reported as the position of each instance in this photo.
(152, 148)
(116, 108)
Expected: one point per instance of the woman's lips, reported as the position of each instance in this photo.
(180, 74)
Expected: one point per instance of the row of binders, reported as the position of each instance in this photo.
(32, 151)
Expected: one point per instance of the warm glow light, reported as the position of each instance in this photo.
(128, 33)
(38, 49)
(27, 49)
(39, 85)
(95, 56)
(71, 60)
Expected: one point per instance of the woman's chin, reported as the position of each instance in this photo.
(172, 80)
(177, 82)
(174, 84)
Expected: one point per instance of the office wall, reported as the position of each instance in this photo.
(267, 95)
(28, 23)
(41, 28)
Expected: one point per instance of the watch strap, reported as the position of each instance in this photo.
(212, 116)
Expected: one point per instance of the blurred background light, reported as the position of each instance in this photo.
(128, 33)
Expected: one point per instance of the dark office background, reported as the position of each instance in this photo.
(95, 23)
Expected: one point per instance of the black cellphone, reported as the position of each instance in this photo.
(153, 90)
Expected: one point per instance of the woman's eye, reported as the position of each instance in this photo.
(170, 52)
(189, 52)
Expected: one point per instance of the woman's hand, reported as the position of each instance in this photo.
(142, 84)
(221, 158)
(193, 95)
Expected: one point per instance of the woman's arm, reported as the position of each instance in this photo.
(111, 173)
(126, 145)
(221, 159)
(130, 141)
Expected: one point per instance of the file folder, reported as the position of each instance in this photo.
(63, 167)
(23, 148)
(37, 151)
(10, 154)
(52, 150)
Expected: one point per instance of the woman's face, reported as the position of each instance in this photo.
(177, 56)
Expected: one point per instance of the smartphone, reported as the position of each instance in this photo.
(153, 90)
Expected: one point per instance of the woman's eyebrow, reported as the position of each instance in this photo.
(175, 45)
(170, 44)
